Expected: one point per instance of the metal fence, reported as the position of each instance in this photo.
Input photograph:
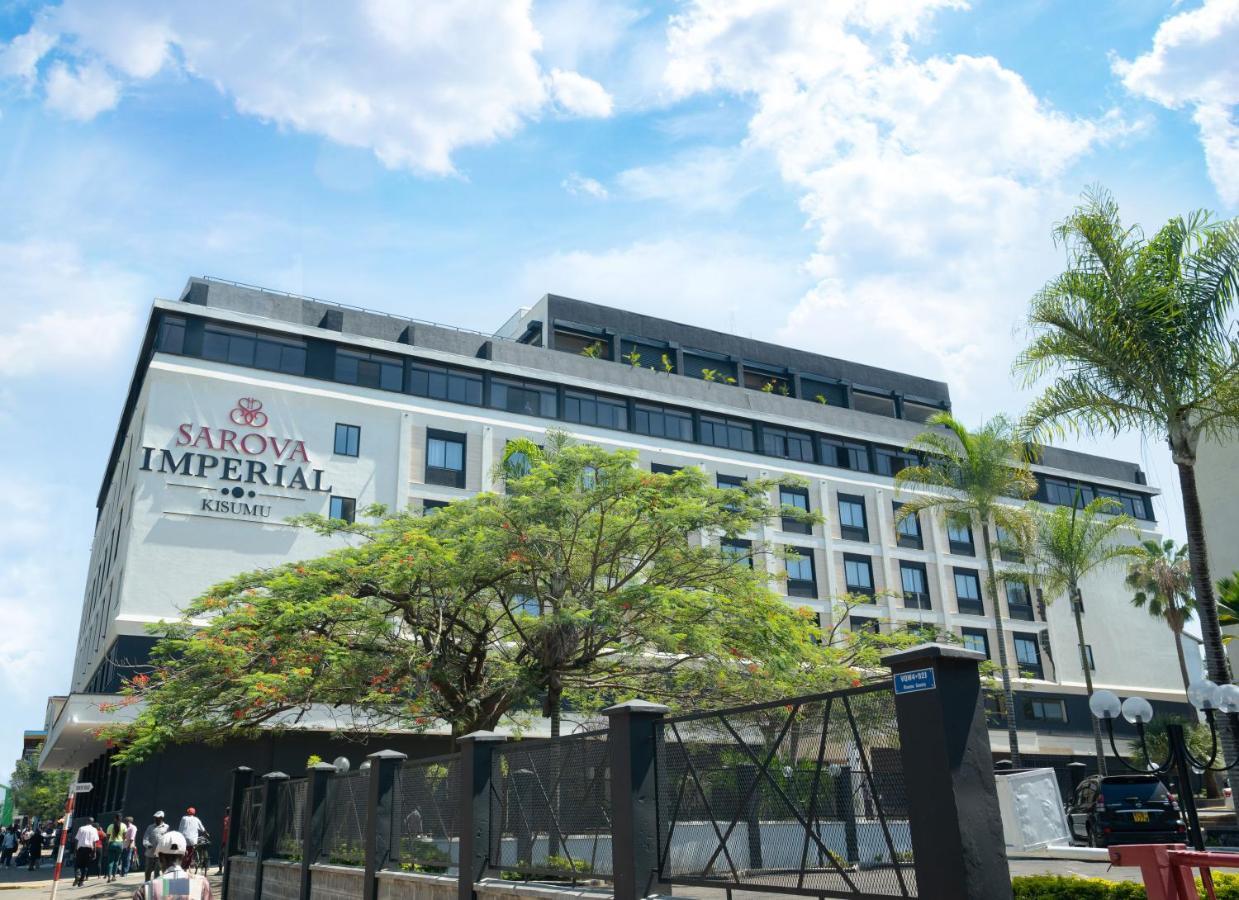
(289, 800)
(345, 830)
(551, 807)
(428, 809)
(802, 796)
(249, 835)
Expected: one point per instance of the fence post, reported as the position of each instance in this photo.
(845, 809)
(953, 814)
(747, 785)
(634, 730)
(314, 820)
(475, 769)
(380, 802)
(242, 778)
(270, 826)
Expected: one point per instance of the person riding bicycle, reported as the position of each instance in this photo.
(174, 882)
(194, 831)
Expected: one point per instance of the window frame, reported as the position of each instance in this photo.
(352, 439)
(853, 532)
(1026, 637)
(914, 540)
(965, 633)
(860, 560)
(960, 602)
(787, 523)
(801, 587)
(348, 508)
(922, 599)
(456, 478)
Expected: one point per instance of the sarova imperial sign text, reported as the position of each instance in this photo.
(250, 458)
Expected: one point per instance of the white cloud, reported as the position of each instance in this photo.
(929, 184)
(1193, 63)
(81, 93)
(411, 81)
(20, 59)
(707, 179)
(578, 184)
(578, 95)
(62, 316)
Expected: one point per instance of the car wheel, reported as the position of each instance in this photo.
(1093, 840)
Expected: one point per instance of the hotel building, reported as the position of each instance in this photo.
(249, 406)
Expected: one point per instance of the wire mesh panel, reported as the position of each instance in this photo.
(249, 822)
(551, 807)
(345, 831)
(428, 792)
(289, 799)
(801, 796)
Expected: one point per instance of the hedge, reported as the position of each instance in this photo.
(1060, 887)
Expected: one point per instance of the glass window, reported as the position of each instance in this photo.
(852, 522)
(348, 439)
(968, 592)
(731, 481)
(866, 624)
(801, 581)
(858, 574)
(740, 550)
(845, 454)
(733, 434)
(1044, 710)
(825, 391)
(517, 463)
(1135, 505)
(878, 404)
(915, 585)
(1019, 603)
(976, 639)
(959, 534)
(444, 383)
(1067, 493)
(1008, 551)
(445, 458)
(662, 421)
(918, 412)
(371, 370)
(1028, 655)
(171, 335)
(249, 348)
(787, 444)
(892, 462)
(908, 531)
(798, 498)
(430, 507)
(526, 398)
(595, 409)
(343, 508)
(664, 469)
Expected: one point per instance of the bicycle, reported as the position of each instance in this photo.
(202, 858)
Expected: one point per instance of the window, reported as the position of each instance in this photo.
(908, 531)
(445, 458)
(1008, 551)
(348, 439)
(709, 367)
(1136, 506)
(595, 409)
(915, 585)
(968, 592)
(517, 463)
(1067, 493)
(1028, 655)
(959, 534)
(976, 639)
(1088, 655)
(664, 469)
(730, 433)
(801, 581)
(444, 383)
(845, 454)
(1019, 604)
(249, 348)
(740, 550)
(918, 412)
(526, 398)
(526, 604)
(727, 482)
(581, 341)
(1039, 709)
(589, 478)
(825, 391)
(662, 421)
(171, 335)
(430, 507)
(858, 574)
(863, 624)
(786, 444)
(798, 498)
(771, 381)
(852, 523)
(878, 404)
(343, 508)
(892, 462)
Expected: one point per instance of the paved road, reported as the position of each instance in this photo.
(23, 885)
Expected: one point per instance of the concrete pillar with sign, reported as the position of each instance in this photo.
(953, 814)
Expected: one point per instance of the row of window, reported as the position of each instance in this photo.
(475, 388)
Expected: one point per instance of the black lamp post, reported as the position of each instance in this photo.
(1206, 697)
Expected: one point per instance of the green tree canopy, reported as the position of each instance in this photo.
(589, 580)
(35, 793)
(1160, 574)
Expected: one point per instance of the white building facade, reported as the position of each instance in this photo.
(248, 407)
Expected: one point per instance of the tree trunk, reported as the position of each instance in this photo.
(1178, 645)
(1077, 603)
(1206, 604)
(1008, 695)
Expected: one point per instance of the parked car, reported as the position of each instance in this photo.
(1124, 809)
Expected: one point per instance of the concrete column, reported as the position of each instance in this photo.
(314, 821)
(242, 778)
(270, 826)
(957, 838)
(475, 787)
(381, 800)
(634, 732)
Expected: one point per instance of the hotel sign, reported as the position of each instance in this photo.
(240, 465)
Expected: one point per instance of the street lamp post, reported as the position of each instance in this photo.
(1206, 697)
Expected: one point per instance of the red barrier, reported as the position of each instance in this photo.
(1167, 869)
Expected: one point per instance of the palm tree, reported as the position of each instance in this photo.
(974, 474)
(1069, 543)
(1162, 579)
(1138, 333)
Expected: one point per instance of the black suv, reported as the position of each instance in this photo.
(1124, 809)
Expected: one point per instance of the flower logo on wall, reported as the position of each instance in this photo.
(248, 411)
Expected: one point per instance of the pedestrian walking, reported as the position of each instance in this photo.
(34, 848)
(131, 838)
(174, 882)
(150, 843)
(193, 830)
(84, 851)
(115, 846)
(8, 846)
(223, 845)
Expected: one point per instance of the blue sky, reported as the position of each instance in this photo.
(875, 180)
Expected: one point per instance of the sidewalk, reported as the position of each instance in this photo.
(24, 885)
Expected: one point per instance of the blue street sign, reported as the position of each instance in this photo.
(915, 680)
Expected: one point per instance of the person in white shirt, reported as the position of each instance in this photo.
(150, 841)
(174, 881)
(131, 838)
(193, 829)
(84, 854)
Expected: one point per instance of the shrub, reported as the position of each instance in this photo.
(1060, 887)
